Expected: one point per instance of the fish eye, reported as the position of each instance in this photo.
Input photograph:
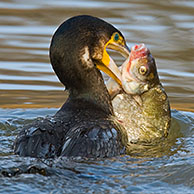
(116, 37)
(142, 70)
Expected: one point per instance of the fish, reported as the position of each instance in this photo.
(141, 104)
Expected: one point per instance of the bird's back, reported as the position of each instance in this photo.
(78, 129)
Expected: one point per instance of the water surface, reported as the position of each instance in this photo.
(30, 89)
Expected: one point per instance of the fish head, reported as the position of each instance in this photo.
(139, 72)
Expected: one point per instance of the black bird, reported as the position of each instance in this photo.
(85, 125)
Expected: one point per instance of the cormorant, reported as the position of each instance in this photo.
(85, 125)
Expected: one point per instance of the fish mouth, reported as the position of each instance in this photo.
(139, 47)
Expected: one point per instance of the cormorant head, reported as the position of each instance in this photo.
(79, 46)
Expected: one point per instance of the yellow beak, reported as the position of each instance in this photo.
(107, 64)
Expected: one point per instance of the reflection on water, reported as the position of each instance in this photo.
(28, 81)
(166, 27)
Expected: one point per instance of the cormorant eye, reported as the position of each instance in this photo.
(116, 37)
(142, 70)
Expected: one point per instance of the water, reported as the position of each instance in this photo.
(26, 27)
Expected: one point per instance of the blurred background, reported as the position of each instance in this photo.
(26, 27)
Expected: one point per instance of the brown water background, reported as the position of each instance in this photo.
(26, 27)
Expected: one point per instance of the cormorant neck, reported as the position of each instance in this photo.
(93, 90)
(82, 80)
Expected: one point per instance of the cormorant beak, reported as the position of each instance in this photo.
(123, 49)
(108, 66)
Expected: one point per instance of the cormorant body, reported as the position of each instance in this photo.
(85, 125)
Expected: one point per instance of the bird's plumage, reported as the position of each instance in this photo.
(72, 132)
(85, 125)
